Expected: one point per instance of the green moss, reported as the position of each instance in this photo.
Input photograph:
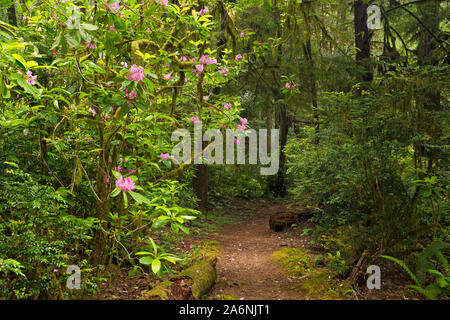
(323, 286)
(203, 274)
(226, 297)
(162, 291)
(295, 261)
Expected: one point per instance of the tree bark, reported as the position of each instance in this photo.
(12, 17)
(362, 39)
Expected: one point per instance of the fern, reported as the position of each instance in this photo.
(425, 264)
(404, 266)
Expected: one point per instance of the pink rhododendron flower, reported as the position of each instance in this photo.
(236, 141)
(183, 58)
(30, 78)
(186, 80)
(125, 184)
(199, 68)
(89, 45)
(260, 42)
(165, 156)
(242, 34)
(227, 106)
(124, 64)
(112, 27)
(163, 2)
(194, 119)
(287, 85)
(223, 71)
(205, 97)
(206, 60)
(115, 7)
(105, 116)
(244, 121)
(118, 169)
(238, 57)
(92, 111)
(130, 96)
(203, 11)
(136, 73)
(167, 77)
(192, 59)
(241, 127)
(222, 125)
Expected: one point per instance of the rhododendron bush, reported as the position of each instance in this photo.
(91, 92)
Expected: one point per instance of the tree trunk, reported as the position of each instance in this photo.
(12, 17)
(362, 39)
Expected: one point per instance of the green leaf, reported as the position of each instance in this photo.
(125, 199)
(183, 228)
(147, 260)
(88, 26)
(403, 265)
(156, 265)
(139, 198)
(115, 192)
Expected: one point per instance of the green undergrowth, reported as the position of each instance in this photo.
(316, 283)
(214, 221)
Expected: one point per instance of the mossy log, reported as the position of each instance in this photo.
(189, 284)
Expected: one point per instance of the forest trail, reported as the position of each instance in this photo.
(245, 268)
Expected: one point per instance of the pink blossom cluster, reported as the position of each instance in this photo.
(92, 111)
(163, 2)
(115, 8)
(223, 71)
(206, 60)
(165, 156)
(227, 106)
(199, 68)
(289, 86)
(125, 184)
(105, 116)
(130, 96)
(238, 57)
(203, 11)
(136, 73)
(89, 45)
(194, 119)
(30, 78)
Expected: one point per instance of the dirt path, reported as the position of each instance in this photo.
(245, 269)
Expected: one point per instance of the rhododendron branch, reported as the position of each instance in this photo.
(89, 181)
(82, 75)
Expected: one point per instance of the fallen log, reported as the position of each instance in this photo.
(282, 220)
(189, 284)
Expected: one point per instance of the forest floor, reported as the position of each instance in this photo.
(247, 267)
